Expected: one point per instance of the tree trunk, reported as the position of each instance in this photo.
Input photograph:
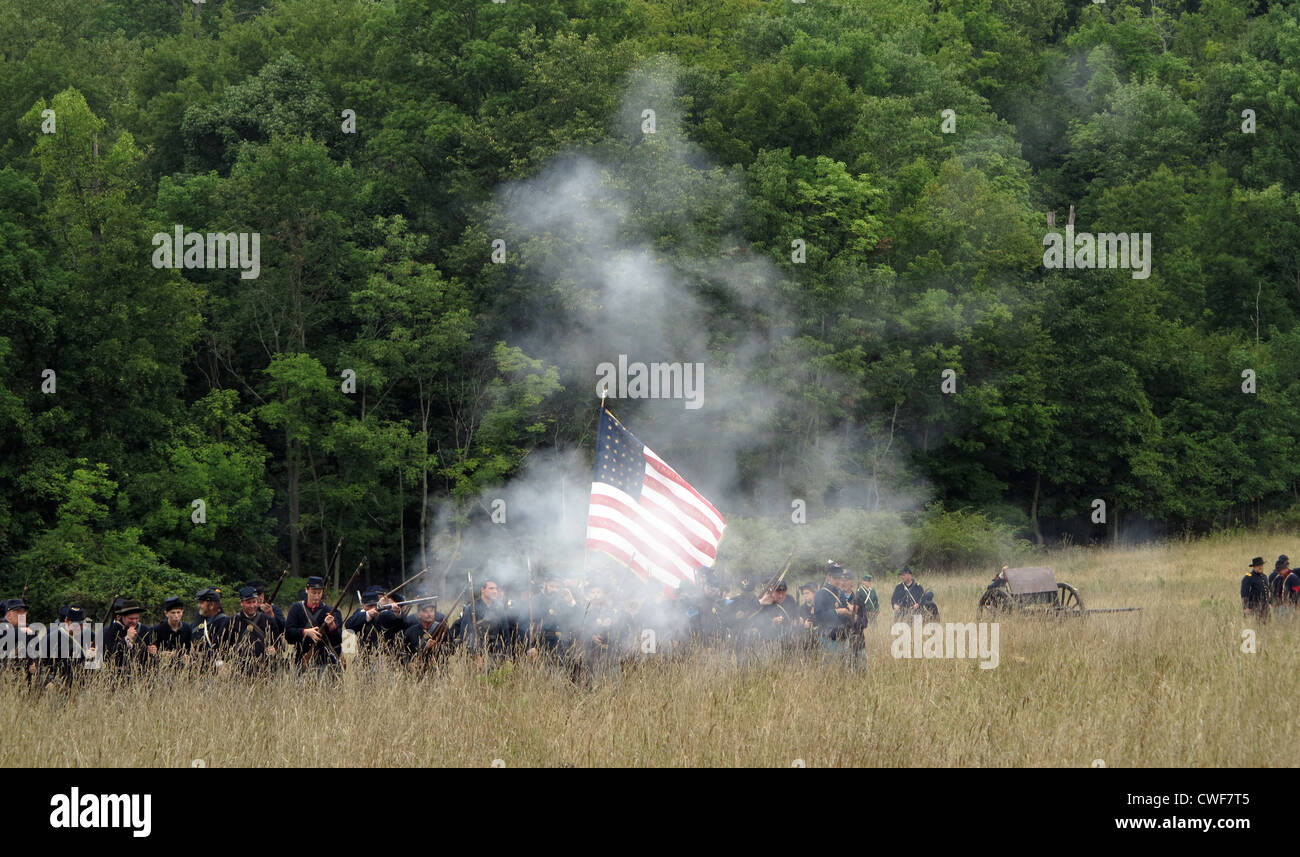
(1033, 510)
(291, 462)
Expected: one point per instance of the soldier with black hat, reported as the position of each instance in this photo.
(376, 624)
(314, 628)
(20, 639)
(69, 648)
(252, 632)
(210, 636)
(123, 643)
(907, 596)
(1254, 591)
(170, 639)
(273, 610)
(424, 640)
(1284, 583)
(832, 609)
(770, 617)
(866, 599)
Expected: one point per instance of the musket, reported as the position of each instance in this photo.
(771, 586)
(311, 650)
(445, 625)
(424, 570)
(333, 560)
(393, 604)
(270, 599)
(108, 614)
(440, 630)
(348, 585)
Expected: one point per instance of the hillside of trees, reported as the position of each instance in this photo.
(380, 147)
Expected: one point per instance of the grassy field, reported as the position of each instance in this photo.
(1167, 687)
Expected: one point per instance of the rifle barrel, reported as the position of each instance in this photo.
(424, 570)
(270, 599)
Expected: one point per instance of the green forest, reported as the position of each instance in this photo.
(837, 208)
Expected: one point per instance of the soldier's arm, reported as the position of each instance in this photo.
(294, 624)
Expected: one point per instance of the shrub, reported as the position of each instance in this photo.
(964, 538)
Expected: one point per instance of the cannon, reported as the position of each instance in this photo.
(1036, 591)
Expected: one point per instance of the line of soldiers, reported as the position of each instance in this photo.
(1260, 594)
(570, 621)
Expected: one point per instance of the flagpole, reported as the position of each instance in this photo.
(586, 552)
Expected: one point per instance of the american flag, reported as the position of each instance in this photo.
(646, 516)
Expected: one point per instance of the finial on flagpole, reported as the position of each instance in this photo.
(604, 390)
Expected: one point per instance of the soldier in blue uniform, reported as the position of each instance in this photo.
(314, 628)
(1284, 583)
(807, 595)
(210, 636)
(124, 645)
(68, 648)
(1254, 591)
(832, 608)
(483, 625)
(771, 620)
(604, 633)
(19, 642)
(427, 638)
(557, 615)
(169, 641)
(907, 596)
(259, 586)
(705, 608)
(377, 625)
(868, 603)
(252, 633)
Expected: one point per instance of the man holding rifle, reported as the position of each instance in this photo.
(378, 623)
(314, 628)
(266, 604)
(252, 633)
(773, 619)
(424, 639)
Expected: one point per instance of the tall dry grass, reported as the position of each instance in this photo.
(1167, 687)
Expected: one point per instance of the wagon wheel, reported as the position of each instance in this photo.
(1068, 602)
(996, 600)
